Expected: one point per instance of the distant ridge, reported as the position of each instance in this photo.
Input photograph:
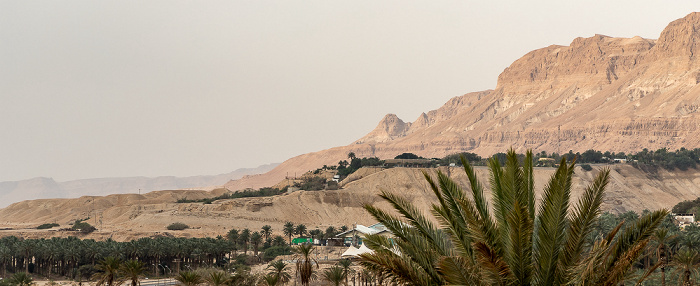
(45, 188)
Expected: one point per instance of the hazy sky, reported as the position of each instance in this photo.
(146, 88)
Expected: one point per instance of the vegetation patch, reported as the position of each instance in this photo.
(262, 192)
(47, 226)
(178, 226)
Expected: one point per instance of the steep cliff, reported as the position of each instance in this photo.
(603, 93)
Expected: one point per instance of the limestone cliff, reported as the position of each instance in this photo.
(601, 92)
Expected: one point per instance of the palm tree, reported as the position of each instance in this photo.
(232, 236)
(316, 233)
(511, 244)
(347, 271)
(266, 231)
(217, 278)
(335, 275)
(108, 273)
(305, 263)
(686, 263)
(20, 279)
(300, 230)
(243, 240)
(288, 230)
(351, 156)
(255, 240)
(662, 237)
(270, 280)
(279, 268)
(330, 232)
(189, 278)
(133, 269)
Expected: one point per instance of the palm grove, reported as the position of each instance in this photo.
(510, 241)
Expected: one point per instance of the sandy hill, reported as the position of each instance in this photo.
(603, 93)
(129, 216)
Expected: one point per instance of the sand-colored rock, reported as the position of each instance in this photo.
(602, 93)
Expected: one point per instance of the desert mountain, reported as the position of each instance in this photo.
(603, 93)
(45, 188)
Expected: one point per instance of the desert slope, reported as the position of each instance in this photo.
(603, 93)
(128, 216)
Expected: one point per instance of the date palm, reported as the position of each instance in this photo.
(189, 278)
(334, 274)
(279, 268)
(109, 270)
(662, 238)
(686, 263)
(266, 231)
(217, 278)
(511, 244)
(346, 264)
(132, 270)
(305, 263)
(21, 279)
(288, 230)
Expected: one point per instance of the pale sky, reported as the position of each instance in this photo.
(92, 89)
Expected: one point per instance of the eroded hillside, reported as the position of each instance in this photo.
(124, 217)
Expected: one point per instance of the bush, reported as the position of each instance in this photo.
(47, 226)
(83, 227)
(272, 252)
(586, 167)
(178, 226)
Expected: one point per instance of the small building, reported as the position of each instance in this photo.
(621, 161)
(683, 219)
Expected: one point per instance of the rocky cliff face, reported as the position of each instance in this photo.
(603, 93)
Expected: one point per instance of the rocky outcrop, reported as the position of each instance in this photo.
(601, 92)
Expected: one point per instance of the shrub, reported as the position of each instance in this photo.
(272, 252)
(47, 226)
(178, 226)
(586, 167)
(83, 227)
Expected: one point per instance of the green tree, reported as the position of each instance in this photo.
(256, 240)
(300, 230)
(305, 263)
(243, 240)
(266, 231)
(334, 274)
(316, 233)
(108, 272)
(330, 232)
(270, 280)
(510, 244)
(133, 270)
(189, 278)
(21, 279)
(346, 264)
(662, 237)
(288, 230)
(217, 278)
(351, 156)
(686, 263)
(279, 269)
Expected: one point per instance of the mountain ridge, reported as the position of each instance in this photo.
(600, 92)
(46, 188)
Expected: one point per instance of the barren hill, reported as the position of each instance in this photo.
(603, 93)
(129, 216)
